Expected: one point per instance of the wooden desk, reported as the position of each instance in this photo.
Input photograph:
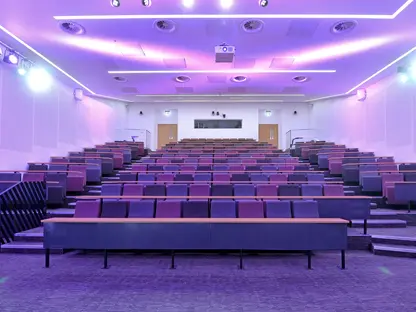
(196, 234)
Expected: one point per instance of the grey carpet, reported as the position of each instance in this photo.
(75, 282)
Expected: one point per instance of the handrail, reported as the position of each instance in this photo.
(221, 197)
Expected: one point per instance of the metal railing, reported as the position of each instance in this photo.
(300, 135)
(22, 207)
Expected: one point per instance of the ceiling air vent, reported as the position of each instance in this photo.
(120, 79)
(252, 26)
(182, 79)
(239, 78)
(300, 79)
(343, 27)
(165, 26)
(72, 28)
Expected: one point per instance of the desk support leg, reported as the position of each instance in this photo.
(172, 261)
(343, 259)
(105, 259)
(47, 257)
(309, 260)
(365, 226)
(241, 260)
(409, 206)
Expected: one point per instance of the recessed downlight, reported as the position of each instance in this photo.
(165, 26)
(120, 79)
(343, 27)
(300, 79)
(72, 28)
(252, 26)
(239, 79)
(182, 79)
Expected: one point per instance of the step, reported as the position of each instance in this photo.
(383, 215)
(374, 223)
(393, 240)
(26, 247)
(62, 212)
(394, 250)
(29, 236)
(94, 192)
(110, 178)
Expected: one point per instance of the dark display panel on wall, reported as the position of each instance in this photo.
(218, 124)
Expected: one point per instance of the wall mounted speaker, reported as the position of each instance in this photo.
(78, 94)
(361, 95)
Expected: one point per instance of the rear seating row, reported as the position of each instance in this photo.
(142, 167)
(197, 209)
(222, 190)
(207, 177)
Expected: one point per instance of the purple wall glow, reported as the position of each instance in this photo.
(385, 123)
(34, 127)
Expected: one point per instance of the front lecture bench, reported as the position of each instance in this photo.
(272, 234)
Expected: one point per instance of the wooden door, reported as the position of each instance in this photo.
(166, 133)
(269, 134)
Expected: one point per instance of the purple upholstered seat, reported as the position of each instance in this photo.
(240, 177)
(139, 167)
(154, 190)
(333, 190)
(133, 190)
(301, 177)
(184, 177)
(311, 190)
(236, 168)
(221, 177)
(111, 189)
(177, 190)
(266, 190)
(87, 209)
(278, 209)
(315, 177)
(278, 177)
(220, 168)
(169, 209)
(188, 168)
(165, 177)
(144, 178)
(171, 168)
(222, 190)
(199, 190)
(141, 208)
(244, 190)
(195, 209)
(250, 209)
(223, 209)
(114, 209)
(128, 176)
(305, 209)
(259, 178)
(202, 177)
(288, 190)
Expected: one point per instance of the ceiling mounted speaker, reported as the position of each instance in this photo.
(361, 95)
(78, 94)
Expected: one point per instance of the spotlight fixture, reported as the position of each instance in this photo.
(226, 4)
(295, 112)
(188, 3)
(147, 3)
(224, 115)
(11, 57)
(263, 3)
(39, 79)
(141, 113)
(218, 113)
(24, 67)
(115, 3)
(213, 113)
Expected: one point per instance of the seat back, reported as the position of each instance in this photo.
(305, 209)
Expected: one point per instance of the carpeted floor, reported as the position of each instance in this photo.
(207, 283)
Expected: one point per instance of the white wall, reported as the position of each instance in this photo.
(34, 127)
(184, 115)
(384, 123)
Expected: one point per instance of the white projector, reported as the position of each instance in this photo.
(224, 54)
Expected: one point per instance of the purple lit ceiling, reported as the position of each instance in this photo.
(288, 41)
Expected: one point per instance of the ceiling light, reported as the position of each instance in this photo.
(188, 3)
(300, 79)
(11, 58)
(268, 113)
(404, 78)
(39, 79)
(263, 3)
(115, 3)
(239, 78)
(21, 71)
(147, 3)
(412, 71)
(226, 71)
(226, 4)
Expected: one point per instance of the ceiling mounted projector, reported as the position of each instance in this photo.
(224, 53)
